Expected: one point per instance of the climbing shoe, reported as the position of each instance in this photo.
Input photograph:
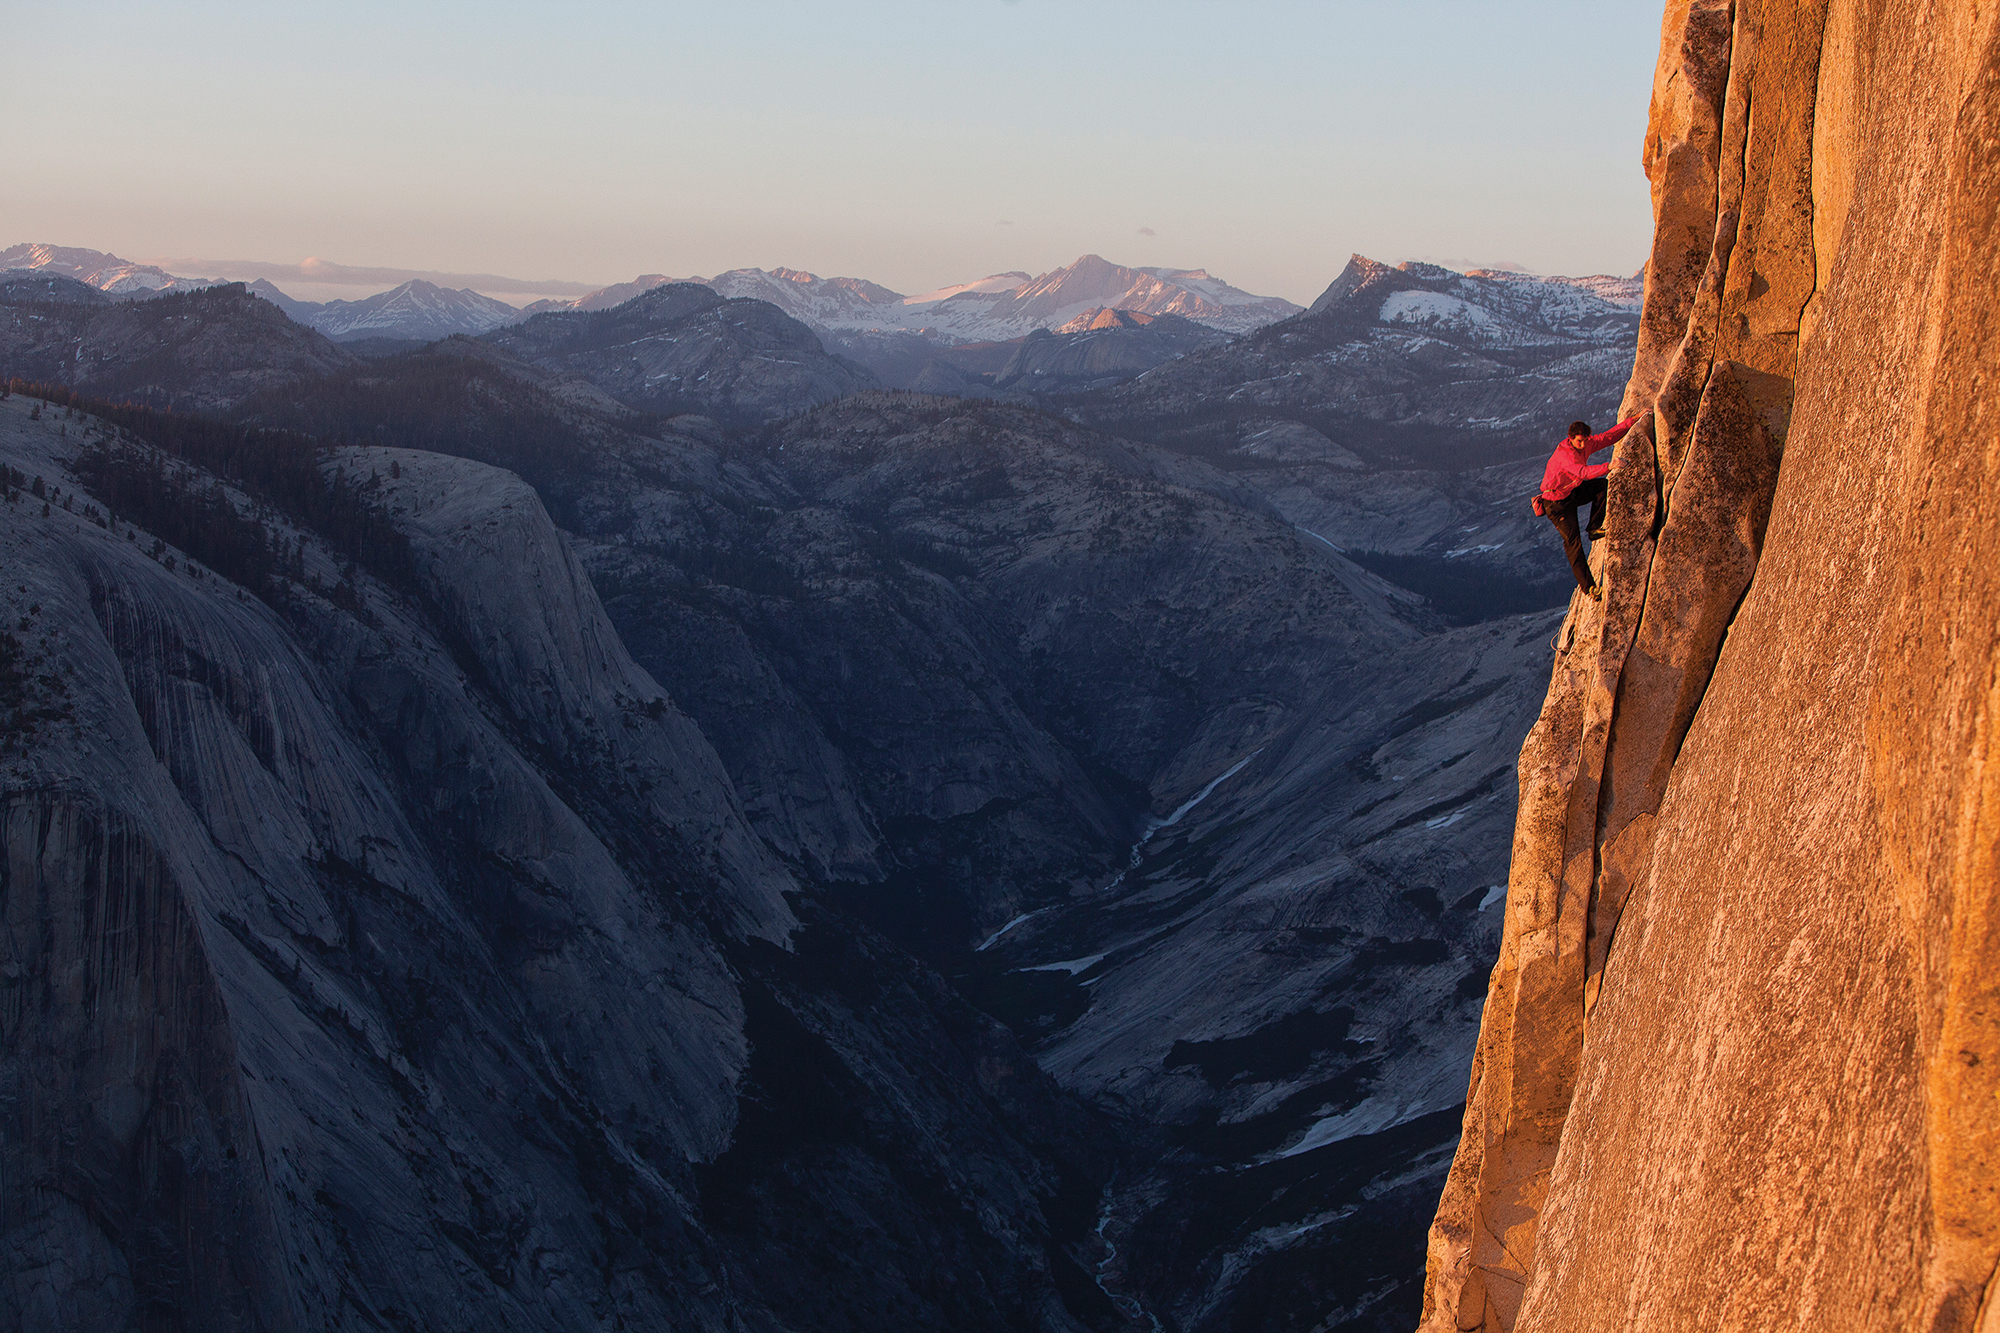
(1595, 534)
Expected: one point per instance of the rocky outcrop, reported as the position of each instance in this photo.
(1738, 1063)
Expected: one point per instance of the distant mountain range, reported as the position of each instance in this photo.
(1092, 324)
(417, 311)
(683, 347)
(1410, 364)
(1409, 369)
(1379, 369)
(999, 308)
(1002, 307)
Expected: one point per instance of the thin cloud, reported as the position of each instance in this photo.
(1458, 265)
(324, 272)
(1004, 222)
(1147, 231)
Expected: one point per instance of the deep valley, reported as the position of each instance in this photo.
(670, 831)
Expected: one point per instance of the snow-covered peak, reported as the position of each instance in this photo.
(873, 292)
(1441, 312)
(1485, 308)
(1200, 280)
(1054, 298)
(107, 273)
(1625, 293)
(827, 303)
(1011, 305)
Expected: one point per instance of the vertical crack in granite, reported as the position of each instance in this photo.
(1482, 1245)
(1681, 152)
(1690, 497)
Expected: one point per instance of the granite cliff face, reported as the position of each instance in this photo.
(257, 873)
(1740, 1056)
(380, 944)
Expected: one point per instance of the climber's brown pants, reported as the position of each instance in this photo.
(1563, 514)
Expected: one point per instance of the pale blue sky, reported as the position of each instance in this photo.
(917, 144)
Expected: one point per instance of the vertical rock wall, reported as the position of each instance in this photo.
(319, 1006)
(1741, 1052)
(131, 1179)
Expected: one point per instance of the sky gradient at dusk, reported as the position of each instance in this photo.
(916, 144)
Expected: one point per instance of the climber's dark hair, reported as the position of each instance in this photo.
(1579, 428)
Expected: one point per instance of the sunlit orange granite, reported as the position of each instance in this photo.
(1740, 1062)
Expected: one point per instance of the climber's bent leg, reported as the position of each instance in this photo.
(1593, 491)
(1564, 517)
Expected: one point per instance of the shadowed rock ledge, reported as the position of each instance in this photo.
(1740, 1055)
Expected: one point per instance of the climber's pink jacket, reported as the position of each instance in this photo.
(1567, 469)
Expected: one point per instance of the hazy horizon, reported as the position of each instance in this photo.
(915, 146)
(522, 291)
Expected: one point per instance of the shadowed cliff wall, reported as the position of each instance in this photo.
(1741, 1052)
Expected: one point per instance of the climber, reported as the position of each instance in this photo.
(1569, 480)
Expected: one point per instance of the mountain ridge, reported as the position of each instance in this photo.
(1412, 363)
(205, 349)
(998, 308)
(685, 346)
(108, 273)
(417, 310)
(995, 308)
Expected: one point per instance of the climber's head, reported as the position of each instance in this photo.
(1579, 431)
